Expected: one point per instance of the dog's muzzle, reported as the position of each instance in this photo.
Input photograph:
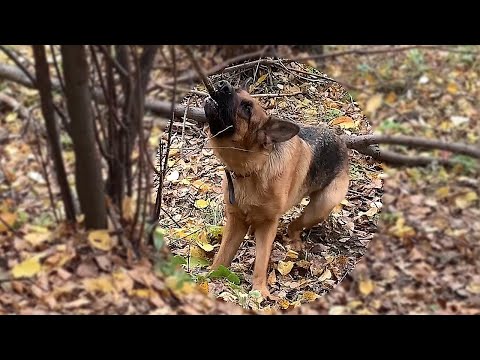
(219, 109)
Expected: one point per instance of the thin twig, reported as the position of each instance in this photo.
(183, 125)
(193, 75)
(121, 70)
(201, 73)
(57, 69)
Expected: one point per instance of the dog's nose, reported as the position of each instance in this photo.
(224, 86)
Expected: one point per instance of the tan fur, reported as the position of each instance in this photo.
(274, 183)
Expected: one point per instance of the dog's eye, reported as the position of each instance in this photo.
(247, 108)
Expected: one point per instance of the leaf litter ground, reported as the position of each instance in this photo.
(194, 201)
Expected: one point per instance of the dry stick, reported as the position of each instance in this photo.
(172, 110)
(368, 51)
(203, 93)
(45, 173)
(362, 141)
(33, 80)
(201, 73)
(399, 159)
(192, 75)
(17, 62)
(183, 125)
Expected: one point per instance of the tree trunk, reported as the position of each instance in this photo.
(88, 174)
(45, 89)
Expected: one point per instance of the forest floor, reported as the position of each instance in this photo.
(425, 257)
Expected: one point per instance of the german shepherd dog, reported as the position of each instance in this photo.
(270, 166)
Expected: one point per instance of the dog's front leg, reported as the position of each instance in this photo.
(264, 237)
(235, 230)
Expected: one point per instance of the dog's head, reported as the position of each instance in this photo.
(236, 119)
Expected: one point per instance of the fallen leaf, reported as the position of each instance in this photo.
(474, 288)
(122, 281)
(452, 88)
(27, 268)
(100, 239)
(372, 211)
(291, 254)
(442, 192)
(345, 122)
(284, 304)
(203, 287)
(310, 296)
(464, 201)
(9, 218)
(38, 238)
(336, 310)
(284, 267)
(173, 176)
(201, 204)
(101, 284)
(373, 104)
(366, 287)
(325, 276)
(87, 270)
(272, 278)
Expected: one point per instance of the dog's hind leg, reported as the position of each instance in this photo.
(321, 204)
(235, 230)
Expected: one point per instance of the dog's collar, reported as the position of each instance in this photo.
(231, 190)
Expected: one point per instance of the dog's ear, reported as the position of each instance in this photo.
(276, 130)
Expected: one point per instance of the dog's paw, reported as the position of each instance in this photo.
(266, 294)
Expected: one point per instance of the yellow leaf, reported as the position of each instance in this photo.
(336, 310)
(11, 117)
(400, 230)
(122, 281)
(442, 192)
(284, 304)
(200, 185)
(284, 267)
(36, 239)
(272, 278)
(100, 239)
(292, 254)
(372, 211)
(474, 288)
(127, 208)
(27, 268)
(326, 275)
(452, 88)
(101, 284)
(464, 201)
(196, 251)
(9, 218)
(261, 79)
(201, 204)
(344, 122)
(141, 293)
(366, 287)
(310, 296)
(391, 98)
(203, 287)
(373, 104)
(345, 202)
(205, 246)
